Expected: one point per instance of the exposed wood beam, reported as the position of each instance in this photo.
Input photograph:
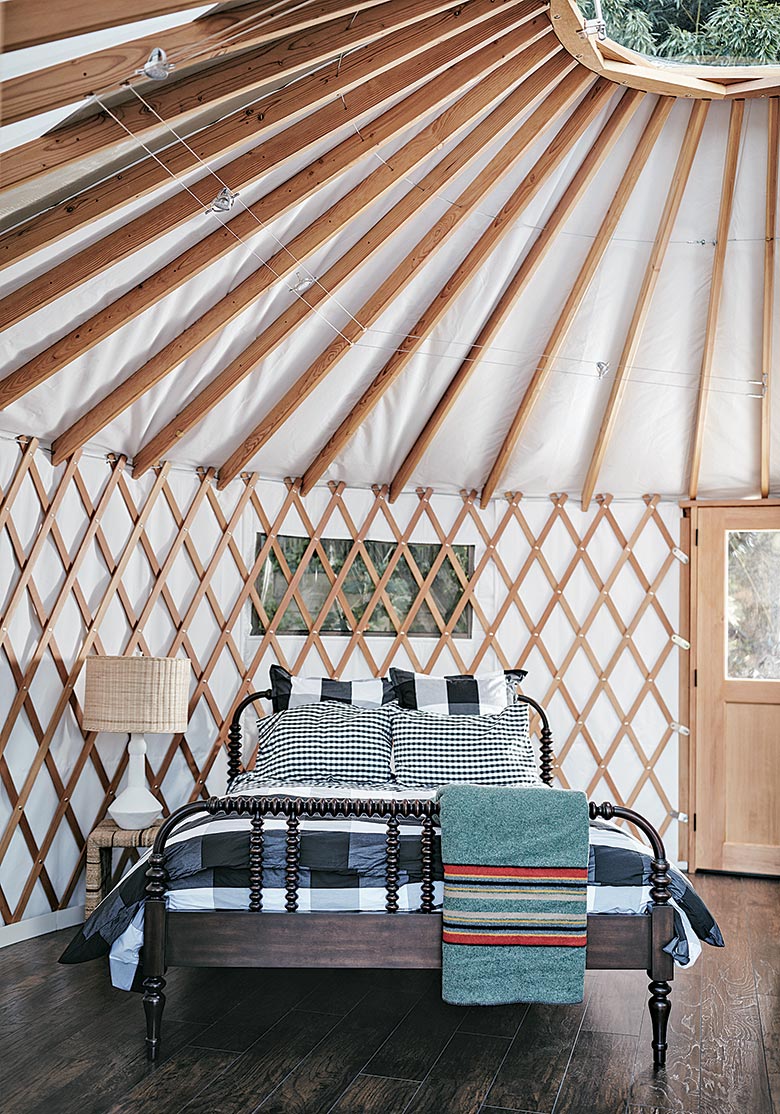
(489, 89)
(217, 34)
(581, 285)
(770, 267)
(229, 378)
(716, 289)
(30, 22)
(227, 83)
(558, 102)
(272, 155)
(652, 274)
(558, 148)
(278, 201)
(285, 106)
(372, 309)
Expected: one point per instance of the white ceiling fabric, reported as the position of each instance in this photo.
(650, 449)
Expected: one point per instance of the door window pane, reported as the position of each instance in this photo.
(753, 617)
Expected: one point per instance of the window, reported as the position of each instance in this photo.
(359, 587)
(753, 613)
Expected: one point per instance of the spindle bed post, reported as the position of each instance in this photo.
(661, 965)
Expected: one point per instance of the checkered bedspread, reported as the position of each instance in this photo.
(342, 868)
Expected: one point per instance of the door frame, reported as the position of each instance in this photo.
(688, 626)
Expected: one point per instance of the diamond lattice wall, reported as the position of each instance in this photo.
(92, 561)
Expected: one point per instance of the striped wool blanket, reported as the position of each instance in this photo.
(515, 894)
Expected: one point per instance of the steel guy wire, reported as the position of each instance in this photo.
(226, 226)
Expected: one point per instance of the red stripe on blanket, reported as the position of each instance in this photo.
(457, 870)
(503, 939)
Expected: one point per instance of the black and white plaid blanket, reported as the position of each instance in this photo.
(342, 868)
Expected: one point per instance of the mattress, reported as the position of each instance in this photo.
(342, 869)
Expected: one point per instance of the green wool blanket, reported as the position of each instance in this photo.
(515, 894)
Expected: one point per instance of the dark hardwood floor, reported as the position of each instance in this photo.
(379, 1042)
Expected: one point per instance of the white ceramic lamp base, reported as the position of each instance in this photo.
(135, 807)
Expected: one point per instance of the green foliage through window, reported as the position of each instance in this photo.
(711, 32)
(402, 588)
(754, 604)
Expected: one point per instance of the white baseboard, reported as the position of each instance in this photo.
(39, 926)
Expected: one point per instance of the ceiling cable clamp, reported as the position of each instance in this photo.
(156, 67)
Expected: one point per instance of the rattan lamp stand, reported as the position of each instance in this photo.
(136, 694)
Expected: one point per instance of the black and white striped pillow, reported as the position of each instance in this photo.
(433, 750)
(462, 694)
(289, 691)
(325, 742)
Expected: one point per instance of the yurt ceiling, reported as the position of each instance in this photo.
(407, 243)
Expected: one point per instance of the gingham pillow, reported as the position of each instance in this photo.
(289, 691)
(462, 694)
(434, 750)
(325, 742)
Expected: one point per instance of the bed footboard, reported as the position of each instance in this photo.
(255, 938)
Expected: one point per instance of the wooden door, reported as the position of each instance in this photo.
(737, 688)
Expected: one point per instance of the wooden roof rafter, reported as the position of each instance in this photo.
(217, 33)
(285, 106)
(609, 134)
(768, 338)
(228, 236)
(31, 22)
(445, 298)
(677, 186)
(217, 389)
(730, 161)
(228, 83)
(274, 152)
(577, 293)
(389, 289)
(489, 90)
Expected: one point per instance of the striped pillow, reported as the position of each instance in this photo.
(434, 750)
(289, 691)
(325, 742)
(462, 694)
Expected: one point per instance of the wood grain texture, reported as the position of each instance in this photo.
(598, 1076)
(253, 123)
(235, 80)
(270, 155)
(531, 1074)
(460, 1079)
(373, 1094)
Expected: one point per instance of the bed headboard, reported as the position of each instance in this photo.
(236, 765)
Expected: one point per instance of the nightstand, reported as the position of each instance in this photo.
(100, 844)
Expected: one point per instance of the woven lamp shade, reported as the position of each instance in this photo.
(136, 694)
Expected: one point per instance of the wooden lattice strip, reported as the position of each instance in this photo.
(29, 446)
(89, 749)
(293, 579)
(37, 547)
(468, 584)
(315, 546)
(205, 576)
(89, 638)
(181, 640)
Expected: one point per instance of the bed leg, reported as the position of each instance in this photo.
(660, 1009)
(154, 1004)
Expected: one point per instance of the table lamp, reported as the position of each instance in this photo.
(136, 694)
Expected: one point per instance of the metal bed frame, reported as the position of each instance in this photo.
(254, 938)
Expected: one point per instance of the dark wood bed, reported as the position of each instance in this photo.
(254, 938)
